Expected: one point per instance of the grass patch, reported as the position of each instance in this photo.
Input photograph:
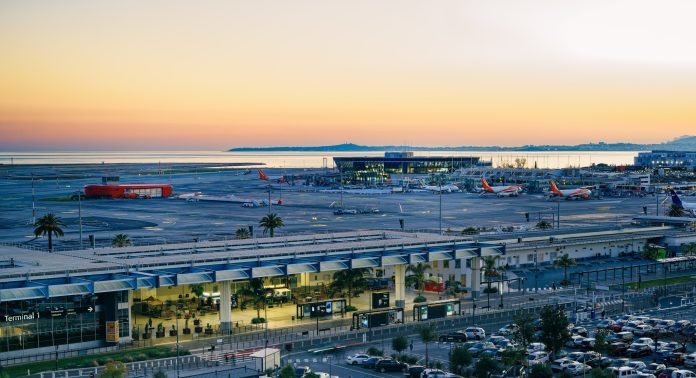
(131, 355)
(660, 282)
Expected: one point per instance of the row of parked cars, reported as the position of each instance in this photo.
(384, 365)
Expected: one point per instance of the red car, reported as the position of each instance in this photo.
(675, 359)
(667, 373)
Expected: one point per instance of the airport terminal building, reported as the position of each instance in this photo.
(376, 169)
(666, 159)
(84, 299)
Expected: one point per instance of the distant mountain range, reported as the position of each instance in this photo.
(684, 143)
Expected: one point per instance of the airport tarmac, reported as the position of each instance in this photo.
(153, 221)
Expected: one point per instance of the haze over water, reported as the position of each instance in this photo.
(543, 159)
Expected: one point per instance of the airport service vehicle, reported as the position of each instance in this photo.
(690, 360)
(501, 190)
(475, 333)
(345, 211)
(357, 359)
(457, 337)
(130, 191)
(688, 207)
(537, 358)
(388, 364)
(570, 194)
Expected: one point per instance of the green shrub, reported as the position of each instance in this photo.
(104, 361)
(490, 290)
(372, 351)
(419, 299)
(350, 308)
(159, 374)
(258, 320)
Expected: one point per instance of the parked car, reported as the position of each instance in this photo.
(508, 330)
(643, 330)
(480, 347)
(690, 360)
(588, 344)
(301, 371)
(357, 359)
(475, 333)
(578, 368)
(537, 358)
(653, 369)
(675, 359)
(560, 364)
(619, 362)
(388, 364)
(667, 373)
(620, 336)
(643, 341)
(605, 362)
(457, 337)
(639, 350)
(414, 371)
(638, 365)
(370, 362)
(606, 323)
(618, 349)
(535, 347)
(574, 341)
(582, 331)
(683, 374)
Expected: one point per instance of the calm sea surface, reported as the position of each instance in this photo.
(310, 159)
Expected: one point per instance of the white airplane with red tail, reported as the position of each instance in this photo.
(501, 190)
(278, 179)
(577, 193)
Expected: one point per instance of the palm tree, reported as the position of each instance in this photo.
(427, 335)
(675, 211)
(564, 262)
(353, 281)
(51, 225)
(417, 276)
(256, 294)
(242, 233)
(270, 222)
(121, 240)
(489, 266)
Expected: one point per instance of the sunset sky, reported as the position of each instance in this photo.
(218, 74)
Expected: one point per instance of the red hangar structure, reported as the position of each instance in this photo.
(128, 191)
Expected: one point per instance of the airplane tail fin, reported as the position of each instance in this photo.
(554, 188)
(262, 176)
(676, 201)
(485, 185)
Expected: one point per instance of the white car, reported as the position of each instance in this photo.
(644, 341)
(577, 368)
(536, 347)
(683, 374)
(356, 359)
(638, 365)
(508, 329)
(575, 341)
(642, 330)
(537, 358)
(690, 360)
(475, 333)
(561, 364)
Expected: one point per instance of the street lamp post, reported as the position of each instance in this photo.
(79, 212)
(177, 339)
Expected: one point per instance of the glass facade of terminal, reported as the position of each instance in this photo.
(39, 323)
(377, 169)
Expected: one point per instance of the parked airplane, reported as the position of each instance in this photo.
(688, 207)
(447, 188)
(278, 179)
(501, 190)
(577, 193)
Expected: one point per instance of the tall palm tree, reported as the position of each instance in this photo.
(489, 266)
(121, 240)
(675, 211)
(353, 281)
(427, 335)
(51, 225)
(564, 262)
(242, 233)
(256, 294)
(270, 222)
(417, 276)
